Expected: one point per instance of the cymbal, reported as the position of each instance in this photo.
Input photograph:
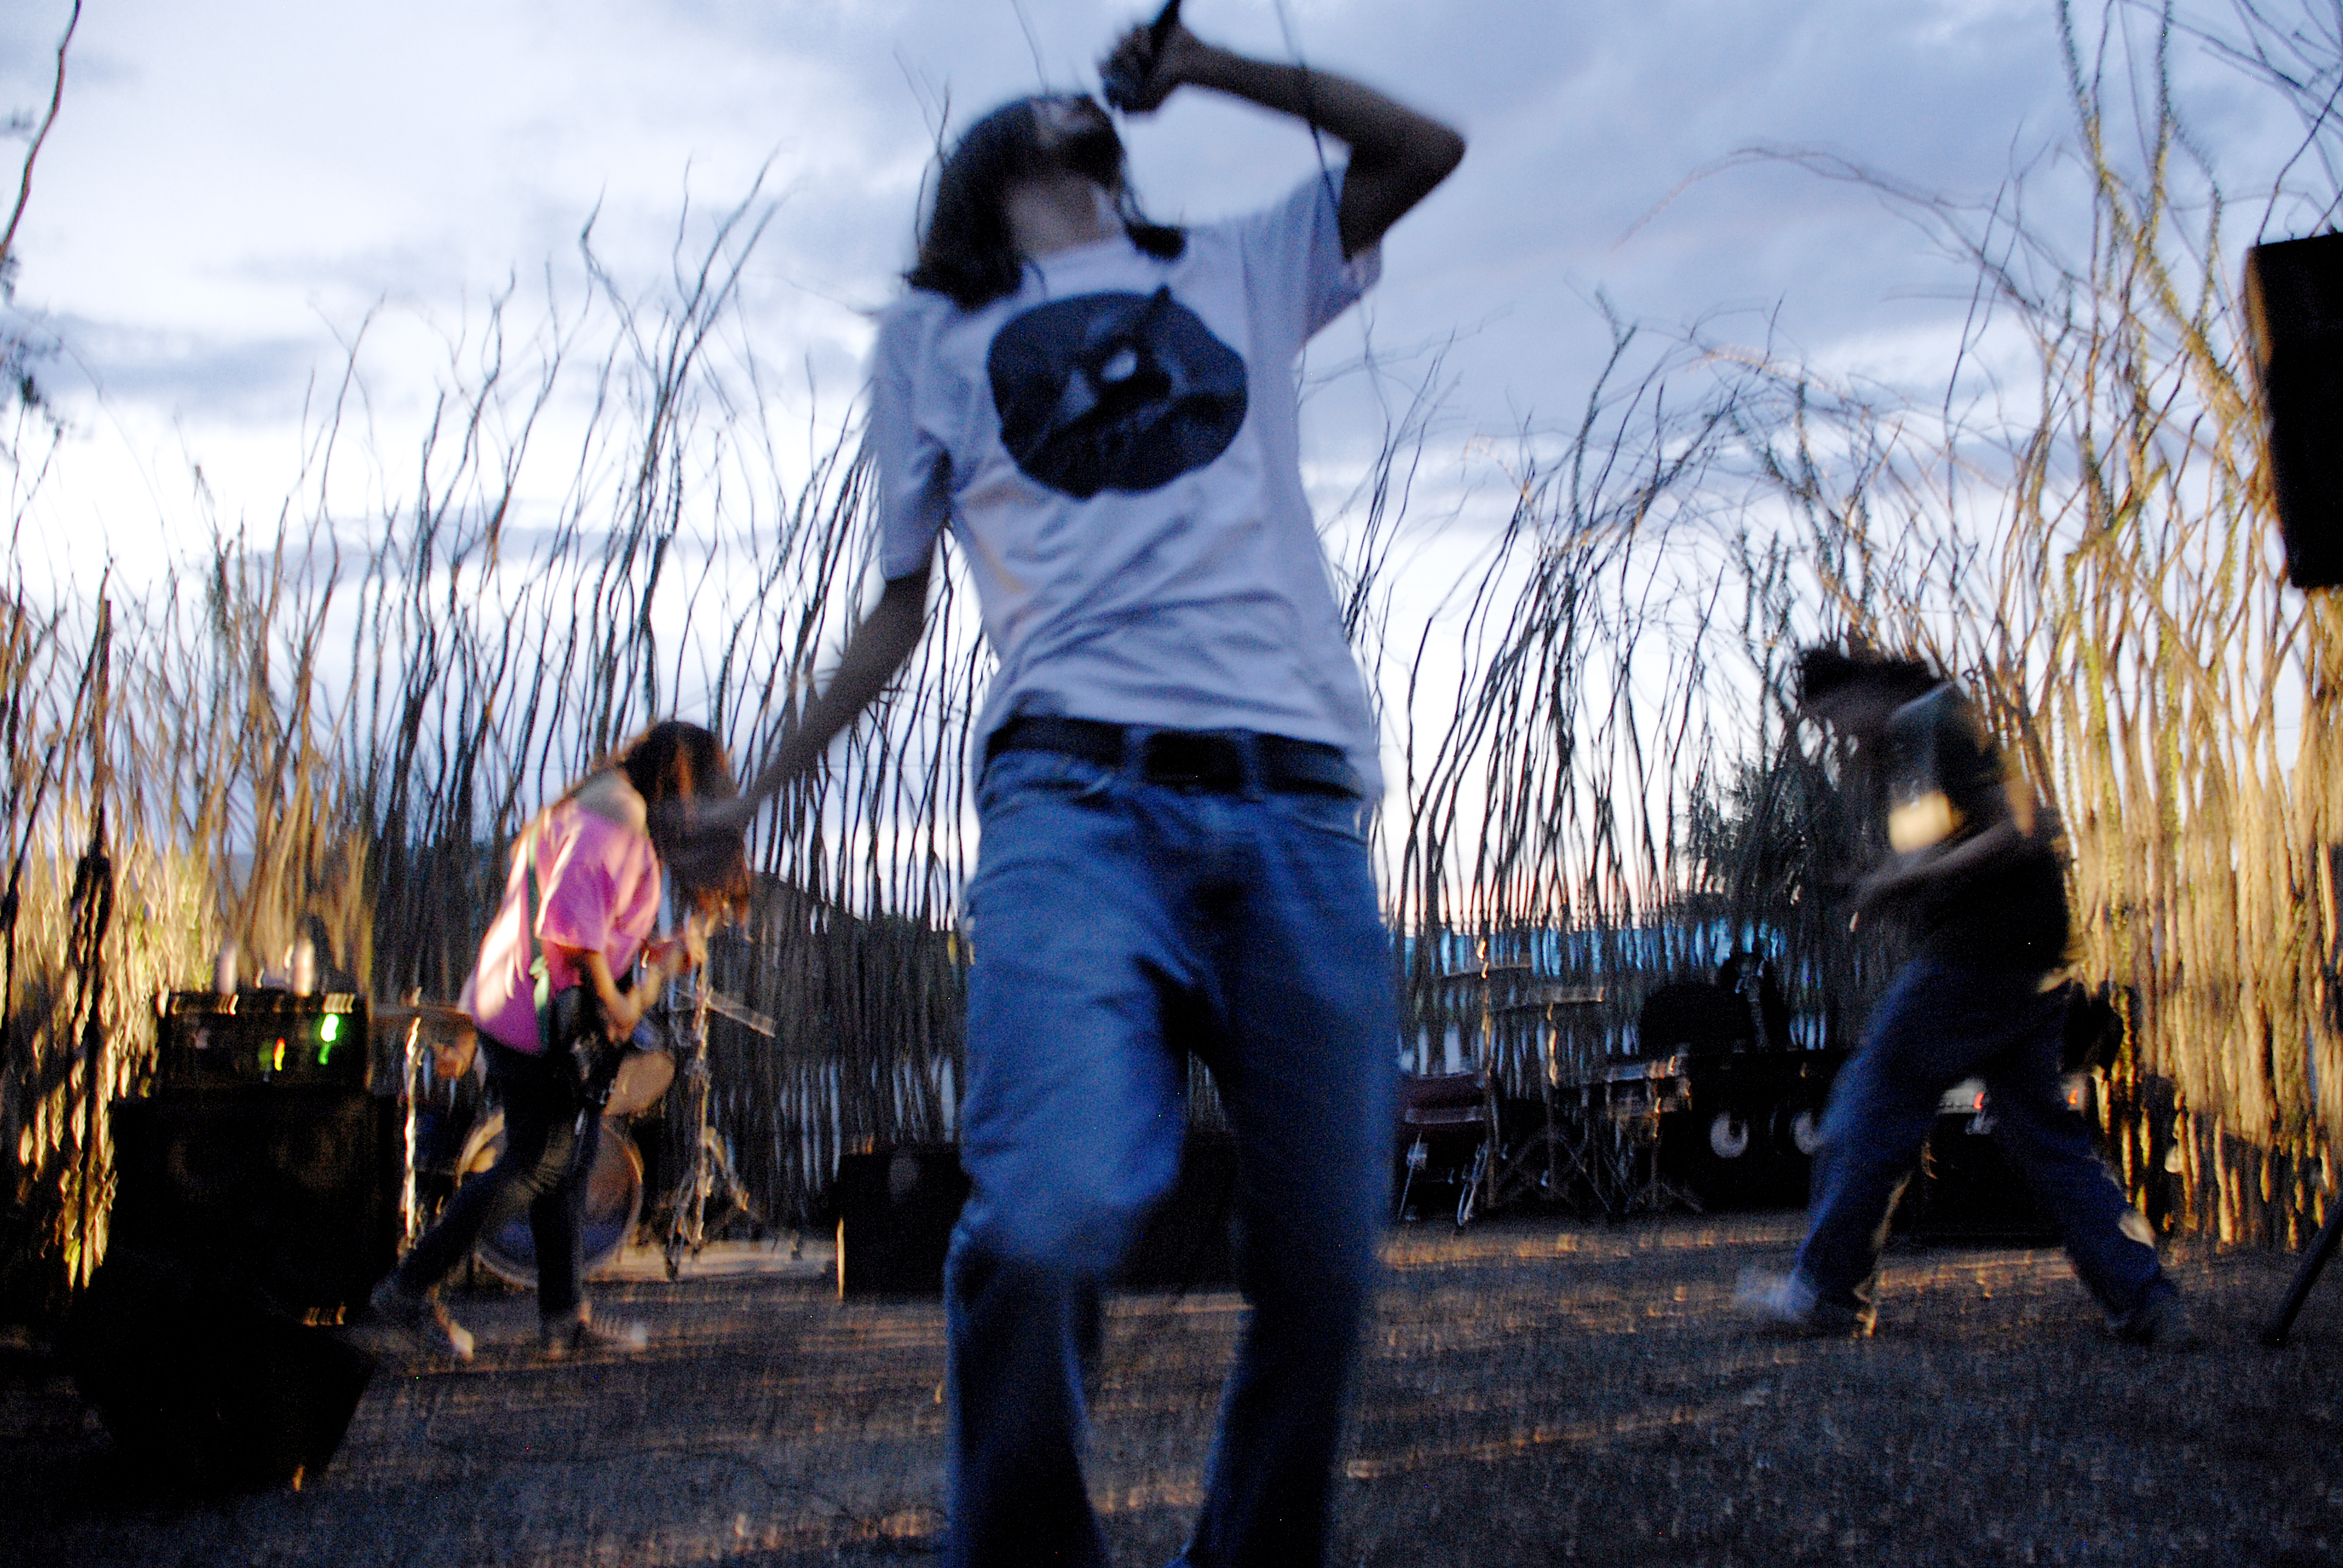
(739, 1012)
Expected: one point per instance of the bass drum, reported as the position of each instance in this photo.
(614, 1202)
(641, 1079)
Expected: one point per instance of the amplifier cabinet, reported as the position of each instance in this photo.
(203, 1381)
(293, 1188)
(896, 1209)
(2293, 314)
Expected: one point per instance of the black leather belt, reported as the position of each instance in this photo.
(1225, 761)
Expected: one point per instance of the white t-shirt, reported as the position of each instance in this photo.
(1115, 447)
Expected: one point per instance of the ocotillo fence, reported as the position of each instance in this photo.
(341, 727)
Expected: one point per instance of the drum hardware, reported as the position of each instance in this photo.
(413, 1052)
(613, 1183)
(641, 1082)
(747, 1017)
(1641, 1093)
(1556, 1161)
(709, 1165)
(614, 1202)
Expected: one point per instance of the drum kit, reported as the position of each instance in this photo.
(614, 1183)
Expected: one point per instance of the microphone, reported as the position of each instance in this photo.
(1120, 87)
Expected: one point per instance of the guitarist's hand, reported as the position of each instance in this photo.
(621, 1010)
(681, 953)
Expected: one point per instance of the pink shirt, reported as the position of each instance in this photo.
(598, 888)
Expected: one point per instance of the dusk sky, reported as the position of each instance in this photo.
(233, 190)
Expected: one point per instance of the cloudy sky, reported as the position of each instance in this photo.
(235, 189)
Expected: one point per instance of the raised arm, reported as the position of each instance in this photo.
(875, 650)
(1397, 156)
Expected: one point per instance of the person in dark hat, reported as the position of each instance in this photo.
(1976, 876)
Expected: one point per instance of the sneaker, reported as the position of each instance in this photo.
(582, 1335)
(1788, 1304)
(2160, 1323)
(419, 1315)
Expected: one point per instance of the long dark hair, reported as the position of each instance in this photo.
(966, 253)
(1827, 668)
(673, 761)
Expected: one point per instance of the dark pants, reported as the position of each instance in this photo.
(1939, 1024)
(542, 1169)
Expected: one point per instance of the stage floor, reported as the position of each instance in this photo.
(1531, 1391)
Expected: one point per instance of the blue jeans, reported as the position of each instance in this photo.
(1939, 1024)
(1119, 925)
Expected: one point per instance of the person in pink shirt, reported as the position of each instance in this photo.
(597, 855)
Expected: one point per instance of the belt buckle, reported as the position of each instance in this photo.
(1186, 759)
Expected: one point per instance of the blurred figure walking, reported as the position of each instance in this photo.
(1976, 878)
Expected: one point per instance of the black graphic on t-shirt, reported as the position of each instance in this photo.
(1114, 392)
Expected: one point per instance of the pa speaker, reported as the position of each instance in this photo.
(291, 1189)
(895, 1210)
(1186, 1242)
(204, 1380)
(897, 1206)
(2294, 311)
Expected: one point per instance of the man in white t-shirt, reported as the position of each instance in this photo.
(1178, 759)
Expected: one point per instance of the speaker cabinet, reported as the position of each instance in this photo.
(204, 1380)
(1188, 1239)
(896, 1209)
(897, 1206)
(1968, 1190)
(290, 1188)
(2294, 311)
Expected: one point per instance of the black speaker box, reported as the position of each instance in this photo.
(2293, 312)
(1968, 1190)
(206, 1382)
(1187, 1241)
(290, 1188)
(1692, 1015)
(896, 1209)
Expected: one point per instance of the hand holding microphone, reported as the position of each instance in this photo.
(1129, 75)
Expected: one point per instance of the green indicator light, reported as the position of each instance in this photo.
(330, 1028)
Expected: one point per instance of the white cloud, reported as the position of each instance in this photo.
(235, 187)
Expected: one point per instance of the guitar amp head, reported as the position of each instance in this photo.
(263, 1037)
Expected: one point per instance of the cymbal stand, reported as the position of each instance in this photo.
(411, 1094)
(1639, 1187)
(709, 1166)
(2305, 1275)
